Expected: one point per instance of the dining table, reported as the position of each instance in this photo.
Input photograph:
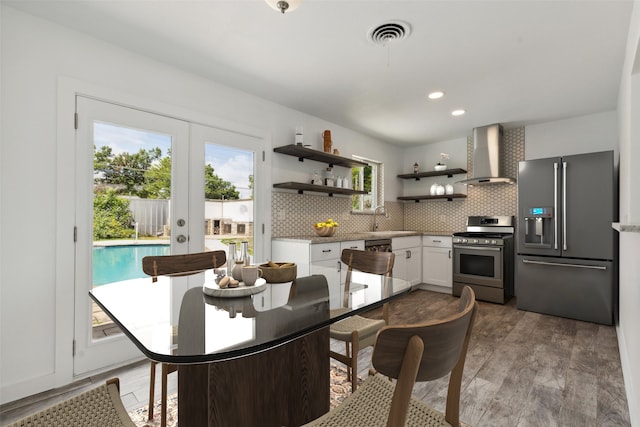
(258, 358)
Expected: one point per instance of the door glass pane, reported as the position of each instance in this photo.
(131, 200)
(228, 188)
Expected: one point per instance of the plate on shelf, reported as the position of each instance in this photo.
(212, 288)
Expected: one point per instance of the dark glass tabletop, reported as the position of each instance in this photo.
(176, 322)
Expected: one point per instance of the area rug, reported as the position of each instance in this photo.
(339, 386)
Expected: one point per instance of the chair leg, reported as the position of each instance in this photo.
(355, 348)
(348, 354)
(152, 386)
(163, 410)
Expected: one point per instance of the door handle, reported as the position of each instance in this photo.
(408, 254)
(181, 238)
(564, 206)
(559, 264)
(555, 206)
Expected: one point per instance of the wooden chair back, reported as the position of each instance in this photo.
(425, 352)
(368, 262)
(182, 265)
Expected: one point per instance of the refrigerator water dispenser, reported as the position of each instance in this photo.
(538, 223)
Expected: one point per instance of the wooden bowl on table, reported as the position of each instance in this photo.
(279, 272)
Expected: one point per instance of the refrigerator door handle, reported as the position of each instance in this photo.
(564, 206)
(555, 206)
(558, 264)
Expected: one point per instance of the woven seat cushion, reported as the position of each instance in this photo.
(369, 406)
(342, 330)
(98, 407)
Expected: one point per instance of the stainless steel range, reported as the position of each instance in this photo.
(483, 258)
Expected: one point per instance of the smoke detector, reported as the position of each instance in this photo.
(389, 32)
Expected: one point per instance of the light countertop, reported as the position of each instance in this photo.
(346, 237)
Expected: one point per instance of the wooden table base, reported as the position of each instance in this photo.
(284, 386)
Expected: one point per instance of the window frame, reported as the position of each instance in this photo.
(377, 186)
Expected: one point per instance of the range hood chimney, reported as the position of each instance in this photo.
(487, 152)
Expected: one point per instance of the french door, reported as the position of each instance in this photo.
(148, 184)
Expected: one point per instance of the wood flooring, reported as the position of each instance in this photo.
(523, 369)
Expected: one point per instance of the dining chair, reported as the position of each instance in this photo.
(100, 406)
(410, 353)
(175, 266)
(358, 332)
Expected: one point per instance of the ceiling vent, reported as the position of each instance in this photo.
(389, 32)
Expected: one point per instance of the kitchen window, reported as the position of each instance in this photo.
(367, 178)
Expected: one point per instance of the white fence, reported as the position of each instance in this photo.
(150, 214)
(221, 217)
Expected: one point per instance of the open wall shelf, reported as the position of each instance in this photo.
(332, 160)
(447, 172)
(302, 187)
(448, 197)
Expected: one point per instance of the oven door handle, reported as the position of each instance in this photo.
(478, 248)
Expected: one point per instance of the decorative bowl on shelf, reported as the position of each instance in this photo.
(440, 167)
(324, 231)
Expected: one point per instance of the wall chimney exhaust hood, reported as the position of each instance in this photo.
(487, 164)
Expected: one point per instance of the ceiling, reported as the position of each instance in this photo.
(514, 62)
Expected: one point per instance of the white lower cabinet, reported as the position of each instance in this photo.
(407, 264)
(319, 258)
(437, 263)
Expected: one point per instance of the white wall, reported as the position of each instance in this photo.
(629, 114)
(36, 302)
(584, 134)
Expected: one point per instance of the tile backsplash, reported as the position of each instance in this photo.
(294, 214)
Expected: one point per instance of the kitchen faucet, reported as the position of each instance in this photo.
(375, 215)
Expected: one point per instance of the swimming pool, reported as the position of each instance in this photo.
(117, 263)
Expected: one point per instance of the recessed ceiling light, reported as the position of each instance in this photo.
(436, 95)
(458, 112)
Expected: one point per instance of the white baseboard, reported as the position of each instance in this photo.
(434, 288)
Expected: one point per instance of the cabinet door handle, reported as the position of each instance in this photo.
(449, 253)
(353, 247)
(325, 251)
(408, 254)
(339, 267)
(437, 241)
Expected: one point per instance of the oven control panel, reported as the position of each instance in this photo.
(478, 241)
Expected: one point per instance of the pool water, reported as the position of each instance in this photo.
(117, 263)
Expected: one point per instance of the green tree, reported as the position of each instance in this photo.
(112, 218)
(124, 171)
(217, 188)
(157, 180)
(251, 185)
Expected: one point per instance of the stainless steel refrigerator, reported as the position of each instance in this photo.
(566, 246)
